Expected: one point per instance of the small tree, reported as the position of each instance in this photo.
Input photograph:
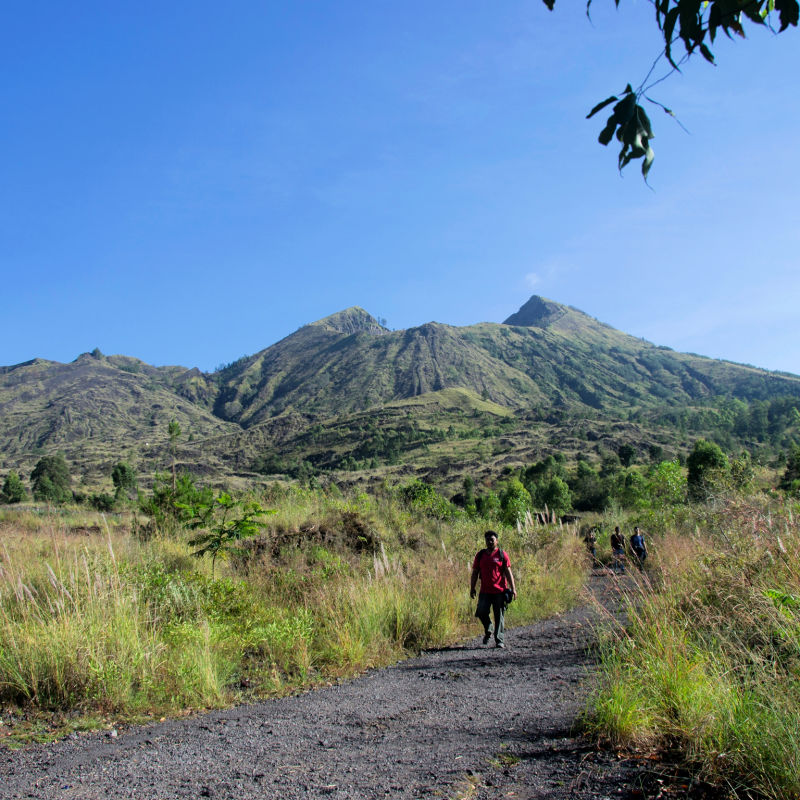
(13, 490)
(666, 484)
(515, 500)
(51, 479)
(171, 508)
(707, 465)
(627, 454)
(556, 496)
(224, 528)
(469, 495)
(123, 477)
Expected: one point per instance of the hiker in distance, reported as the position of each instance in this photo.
(498, 588)
(638, 546)
(617, 551)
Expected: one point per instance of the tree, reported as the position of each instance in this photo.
(168, 506)
(666, 484)
(13, 491)
(626, 453)
(174, 433)
(51, 479)
(589, 491)
(556, 496)
(707, 465)
(515, 501)
(123, 476)
(223, 527)
(695, 25)
(791, 477)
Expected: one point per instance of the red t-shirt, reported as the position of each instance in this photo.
(491, 565)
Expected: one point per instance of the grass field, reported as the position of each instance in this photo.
(100, 627)
(710, 661)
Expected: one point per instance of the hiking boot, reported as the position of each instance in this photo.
(486, 637)
(500, 645)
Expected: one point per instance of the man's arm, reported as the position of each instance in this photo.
(510, 578)
(473, 582)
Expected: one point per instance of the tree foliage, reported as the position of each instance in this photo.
(694, 25)
(224, 522)
(123, 476)
(51, 480)
(706, 465)
(13, 491)
(791, 476)
(167, 506)
(515, 501)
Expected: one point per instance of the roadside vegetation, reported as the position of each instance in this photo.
(708, 667)
(207, 600)
(187, 597)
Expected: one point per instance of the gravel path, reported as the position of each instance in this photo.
(461, 722)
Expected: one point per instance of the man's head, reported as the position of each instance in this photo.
(616, 529)
(490, 537)
(636, 529)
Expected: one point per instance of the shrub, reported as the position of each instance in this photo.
(51, 480)
(13, 491)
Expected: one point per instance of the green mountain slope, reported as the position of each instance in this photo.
(98, 408)
(345, 392)
(545, 356)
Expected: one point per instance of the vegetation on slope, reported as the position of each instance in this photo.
(101, 620)
(709, 664)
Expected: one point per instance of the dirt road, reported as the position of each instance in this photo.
(465, 722)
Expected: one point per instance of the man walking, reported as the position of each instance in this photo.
(638, 546)
(492, 566)
(617, 551)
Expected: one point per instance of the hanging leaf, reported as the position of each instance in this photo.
(602, 105)
(789, 12)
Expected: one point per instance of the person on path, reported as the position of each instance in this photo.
(493, 568)
(638, 546)
(617, 551)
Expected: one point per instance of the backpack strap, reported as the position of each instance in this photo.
(503, 555)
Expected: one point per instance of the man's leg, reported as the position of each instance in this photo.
(499, 609)
(482, 612)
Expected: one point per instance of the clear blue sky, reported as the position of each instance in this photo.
(188, 182)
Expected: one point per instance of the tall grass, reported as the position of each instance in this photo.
(710, 659)
(104, 623)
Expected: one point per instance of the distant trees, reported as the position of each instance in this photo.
(13, 491)
(51, 480)
(556, 496)
(706, 466)
(791, 477)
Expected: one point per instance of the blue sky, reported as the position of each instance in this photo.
(191, 182)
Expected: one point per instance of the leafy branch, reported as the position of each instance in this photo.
(223, 527)
(696, 24)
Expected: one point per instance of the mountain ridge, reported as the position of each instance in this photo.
(545, 361)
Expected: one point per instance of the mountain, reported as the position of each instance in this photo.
(346, 391)
(98, 406)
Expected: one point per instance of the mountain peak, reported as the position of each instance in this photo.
(351, 320)
(538, 312)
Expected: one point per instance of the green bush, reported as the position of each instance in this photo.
(13, 491)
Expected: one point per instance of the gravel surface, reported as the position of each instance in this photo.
(462, 722)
